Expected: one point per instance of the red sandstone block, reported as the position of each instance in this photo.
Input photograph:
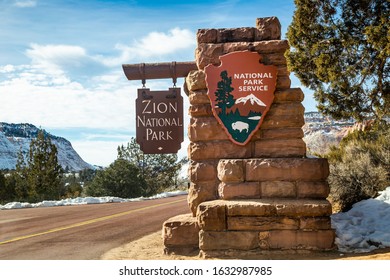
(244, 190)
(286, 108)
(216, 150)
(199, 97)
(283, 121)
(277, 148)
(291, 239)
(262, 223)
(211, 216)
(289, 95)
(205, 129)
(269, 28)
(202, 171)
(200, 192)
(287, 169)
(181, 231)
(200, 110)
(283, 82)
(225, 240)
(283, 133)
(313, 189)
(317, 223)
(278, 207)
(278, 189)
(231, 170)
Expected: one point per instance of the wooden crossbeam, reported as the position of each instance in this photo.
(163, 70)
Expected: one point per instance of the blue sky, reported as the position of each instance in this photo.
(60, 61)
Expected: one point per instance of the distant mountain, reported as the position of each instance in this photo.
(322, 132)
(14, 137)
(252, 99)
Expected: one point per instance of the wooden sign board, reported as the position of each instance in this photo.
(159, 121)
(241, 91)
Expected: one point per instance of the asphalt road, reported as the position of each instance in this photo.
(81, 232)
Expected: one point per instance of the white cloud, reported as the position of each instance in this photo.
(65, 105)
(25, 3)
(152, 45)
(158, 43)
(70, 58)
(55, 58)
(7, 68)
(40, 53)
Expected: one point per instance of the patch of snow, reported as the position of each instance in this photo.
(86, 200)
(365, 227)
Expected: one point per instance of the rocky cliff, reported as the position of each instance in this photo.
(14, 137)
(322, 132)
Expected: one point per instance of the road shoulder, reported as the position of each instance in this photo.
(150, 247)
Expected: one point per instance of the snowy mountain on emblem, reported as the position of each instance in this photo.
(252, 99)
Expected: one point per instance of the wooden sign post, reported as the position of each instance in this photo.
(159, 114)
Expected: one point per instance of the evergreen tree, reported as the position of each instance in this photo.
(20, 178)
(44, 172)
(134, 173)
(3, 190)
(7, 187)
(160, 171)
(223, 93)
(87, 175)
(120, 179)
(38, 174)
(72, 186)
(340, 49)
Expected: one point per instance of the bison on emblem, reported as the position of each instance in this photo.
(240, 126)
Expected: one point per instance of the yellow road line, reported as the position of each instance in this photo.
(87, 222)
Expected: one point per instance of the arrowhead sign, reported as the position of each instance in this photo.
(241, 91)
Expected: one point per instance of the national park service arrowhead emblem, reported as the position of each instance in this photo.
(241, 91)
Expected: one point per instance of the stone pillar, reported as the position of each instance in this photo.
(281, 132)
(265, 195)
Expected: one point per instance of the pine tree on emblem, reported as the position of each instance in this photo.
(223, 93)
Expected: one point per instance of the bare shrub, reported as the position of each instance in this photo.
(359, 168)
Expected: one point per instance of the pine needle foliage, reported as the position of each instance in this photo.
(340, 49)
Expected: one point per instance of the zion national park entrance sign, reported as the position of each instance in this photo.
(239, 102)
(252, 189)
(159, 114)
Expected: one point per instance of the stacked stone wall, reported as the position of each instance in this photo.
(265, 195)
(281, 132)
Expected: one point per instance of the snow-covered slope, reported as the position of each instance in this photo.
(14, 137)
